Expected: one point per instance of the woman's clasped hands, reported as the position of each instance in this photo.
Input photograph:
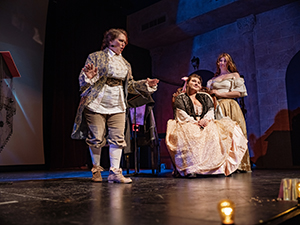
(203, 122)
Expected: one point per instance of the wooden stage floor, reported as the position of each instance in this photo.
(69, 197)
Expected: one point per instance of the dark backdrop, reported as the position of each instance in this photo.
(75, 29)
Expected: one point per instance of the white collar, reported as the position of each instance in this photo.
(112, 53)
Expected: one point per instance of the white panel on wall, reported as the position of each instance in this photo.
(22, 25)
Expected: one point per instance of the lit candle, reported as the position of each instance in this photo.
(226, 210)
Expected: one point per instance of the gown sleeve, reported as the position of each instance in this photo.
(238, 84)
(210, 115)
(183, 117)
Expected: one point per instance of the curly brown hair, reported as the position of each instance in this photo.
(194, 75)
(230, 64)
(111, 35)
(204, 89)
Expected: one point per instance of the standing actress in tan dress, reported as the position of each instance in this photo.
(199, 144)
(225, 86)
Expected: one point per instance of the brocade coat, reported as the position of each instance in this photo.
(90, 92)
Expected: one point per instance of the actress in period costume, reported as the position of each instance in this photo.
(225, 86)
(105, 82)
(199, 144)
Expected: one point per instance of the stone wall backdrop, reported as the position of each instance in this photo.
(263, 38)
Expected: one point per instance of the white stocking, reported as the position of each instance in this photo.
(95, 155)
(115, 153)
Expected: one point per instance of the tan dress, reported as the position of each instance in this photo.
(216, 149)
(230, 108)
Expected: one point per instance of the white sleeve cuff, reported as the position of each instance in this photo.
(90, 81)
(151, 89)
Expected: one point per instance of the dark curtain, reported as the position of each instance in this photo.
(74, 29)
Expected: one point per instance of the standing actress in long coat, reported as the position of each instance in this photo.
(105, 82)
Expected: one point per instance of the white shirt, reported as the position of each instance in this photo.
(110, 99)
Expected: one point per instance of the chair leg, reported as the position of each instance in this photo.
(158, 170)
(138, 159)
(152, 160)
(127, 163)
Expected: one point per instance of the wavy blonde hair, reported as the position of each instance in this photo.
(230, 64)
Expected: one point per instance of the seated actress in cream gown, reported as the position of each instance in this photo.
(199, 144)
